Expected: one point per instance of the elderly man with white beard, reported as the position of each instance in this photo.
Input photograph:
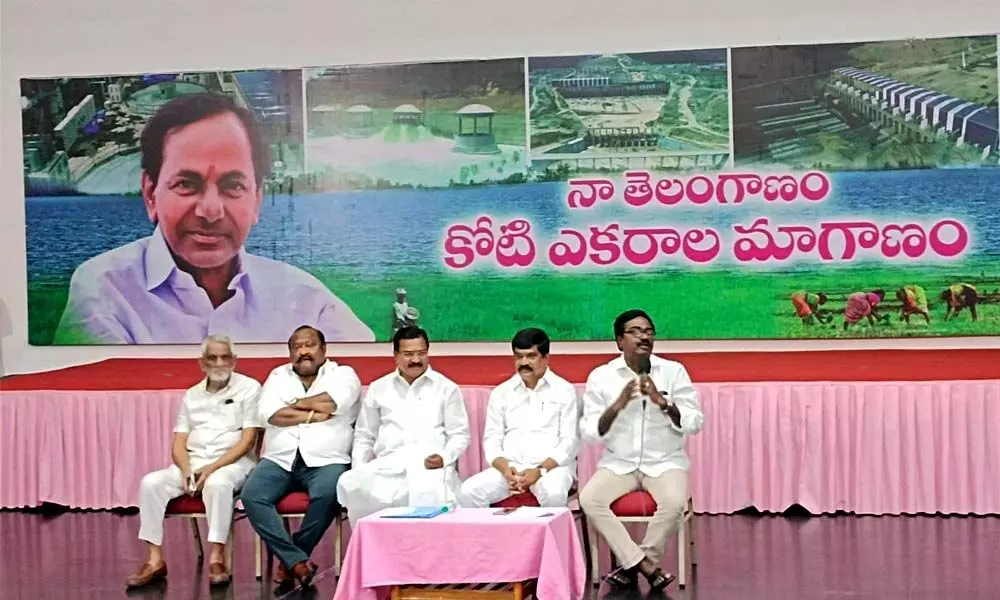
(212, 454)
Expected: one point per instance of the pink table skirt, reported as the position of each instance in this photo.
(482, 548)
(868, 448)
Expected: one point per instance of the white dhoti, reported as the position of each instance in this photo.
(490, 486)
(368, 488)
(160, 487)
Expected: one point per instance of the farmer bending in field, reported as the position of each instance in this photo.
(914, 300)
(807, 306)
(863, 305)
(959, 296)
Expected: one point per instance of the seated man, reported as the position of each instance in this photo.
(531, 434)
(641, 407)
(411, 430)
(212, 453)
(310, 406)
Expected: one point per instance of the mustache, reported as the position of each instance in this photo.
(415, 364)
(525, 368)
(303, 357)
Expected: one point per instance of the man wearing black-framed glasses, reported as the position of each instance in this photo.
(641, 407)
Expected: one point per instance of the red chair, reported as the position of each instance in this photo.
(293, 506)
(192, 508)
(529, 499)
(638, 507)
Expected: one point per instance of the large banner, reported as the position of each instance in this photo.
(827, 191)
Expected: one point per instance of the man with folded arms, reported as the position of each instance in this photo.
(531, 434)
(212, 453)
(310, 406)
(411, 430)
(641, 407)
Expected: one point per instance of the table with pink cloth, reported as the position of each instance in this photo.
(482, 547)
(867, 447)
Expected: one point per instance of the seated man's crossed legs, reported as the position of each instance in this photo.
(158, 488)
(268, 484)
(490, 486)
(669, 490)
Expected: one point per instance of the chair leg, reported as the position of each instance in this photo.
(197, 539)
(338, 547)
(681, 555)
(257, 558)
(595, 552)
(230, 546)
(690, 532)
(585, 534)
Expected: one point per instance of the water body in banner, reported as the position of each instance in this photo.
(332, 234)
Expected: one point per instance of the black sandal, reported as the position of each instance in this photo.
(658, 580)
(622, 579)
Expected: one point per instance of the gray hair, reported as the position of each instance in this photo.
(218, 339)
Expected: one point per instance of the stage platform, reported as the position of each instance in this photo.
(88, 556)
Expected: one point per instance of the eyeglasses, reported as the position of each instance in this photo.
(638, 332)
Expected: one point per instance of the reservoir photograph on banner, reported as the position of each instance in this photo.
(786, 192)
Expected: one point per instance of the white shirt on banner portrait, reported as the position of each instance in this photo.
(136, 294)
(399, 426)
(322, 443)
(643, 437)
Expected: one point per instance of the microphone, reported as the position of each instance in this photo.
(642, 364)
(642, 368)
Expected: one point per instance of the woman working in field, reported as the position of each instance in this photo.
(863, 305)
(807, 306)
(914, 302)
(959, 296)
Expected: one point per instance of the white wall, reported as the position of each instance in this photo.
(61, 37)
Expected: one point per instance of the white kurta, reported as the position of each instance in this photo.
(399, 426)
(642, 437)
(214, 423)
(527, 426)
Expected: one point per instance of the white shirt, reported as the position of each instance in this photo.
(527, 426)
(641, 439)
(135, 294)
(398, 419)
(322, 443)
(214, 421)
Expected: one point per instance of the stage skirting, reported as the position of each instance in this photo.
(866, 447)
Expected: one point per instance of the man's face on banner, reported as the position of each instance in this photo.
(206, 199)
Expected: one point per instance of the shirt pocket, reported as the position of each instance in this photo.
(231, 415)
(548, 417)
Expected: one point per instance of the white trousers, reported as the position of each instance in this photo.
(369, 488)
(485, 488)
(669, 490)
(160, 487)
